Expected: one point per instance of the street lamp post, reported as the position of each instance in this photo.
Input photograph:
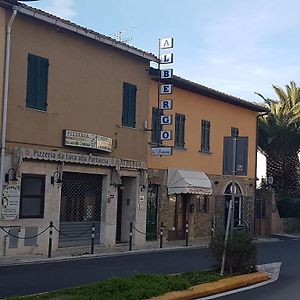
(230, 218)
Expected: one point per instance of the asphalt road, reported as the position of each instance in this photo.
(36, 278)
(287, 287)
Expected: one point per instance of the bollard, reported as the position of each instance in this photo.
(93, 239)
(130, 237)
(50, 240)
(186, 233)
(161, 234)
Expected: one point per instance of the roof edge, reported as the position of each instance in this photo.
(209, 92)
(53, 20)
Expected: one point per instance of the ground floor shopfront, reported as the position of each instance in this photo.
(197, 201)
(74, 191)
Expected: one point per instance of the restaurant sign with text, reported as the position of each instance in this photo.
(86, 140)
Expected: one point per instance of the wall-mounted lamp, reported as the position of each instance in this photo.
(56, 178)
(11, 175)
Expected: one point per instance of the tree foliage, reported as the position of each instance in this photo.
(279, 136)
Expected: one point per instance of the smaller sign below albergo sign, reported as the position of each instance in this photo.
(86, 140)
(161, 151)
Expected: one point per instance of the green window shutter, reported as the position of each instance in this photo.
(179, 130)
(205, 136)
(156, 126)
(37, 82)
(129, 105)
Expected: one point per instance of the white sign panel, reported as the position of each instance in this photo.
(166, 104)
(166, 58)
(166, 74)
(11, 201)
(87, 140)
(166, 89)
(161, 151)
(166, 120)
(166, 135)
(166, 43)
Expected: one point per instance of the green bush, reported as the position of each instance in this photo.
(240, 253)
(289, 206)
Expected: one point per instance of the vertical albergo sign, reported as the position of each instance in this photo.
(165, 89)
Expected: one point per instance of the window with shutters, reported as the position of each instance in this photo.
(37, 82)
(156, 126)
(32, 196)
(129, 105)
(205, 136)
(241, 156)
(179, 130)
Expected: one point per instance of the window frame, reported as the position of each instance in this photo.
(40, 196)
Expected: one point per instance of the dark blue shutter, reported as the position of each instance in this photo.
(129, 105)
(241, 156)
(37, 82)
(179, 130)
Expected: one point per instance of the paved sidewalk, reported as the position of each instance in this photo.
(120, 249)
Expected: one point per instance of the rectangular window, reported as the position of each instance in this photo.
(179, 130)
(129, 105)
(156, 125)
(205, 136)
(234, 132)
(32, 196)
(203, 204)
(37, 82)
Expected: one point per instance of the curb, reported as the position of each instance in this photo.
(220, 286)
(57, 259)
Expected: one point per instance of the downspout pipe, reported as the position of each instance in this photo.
(5, 98)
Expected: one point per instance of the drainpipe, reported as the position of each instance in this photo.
(5, 97)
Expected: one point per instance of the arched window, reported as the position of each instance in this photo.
(228, 190)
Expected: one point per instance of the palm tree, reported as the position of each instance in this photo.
(279, 138)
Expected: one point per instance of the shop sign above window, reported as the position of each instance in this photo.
(86, 140)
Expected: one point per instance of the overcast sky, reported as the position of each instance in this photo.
(236, 46)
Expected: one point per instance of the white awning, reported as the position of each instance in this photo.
(188, 182)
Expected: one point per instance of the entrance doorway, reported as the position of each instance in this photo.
(151, 220)
(177, 216)
(119, 216)
(80, 207)
(126, 208)
(237, 207)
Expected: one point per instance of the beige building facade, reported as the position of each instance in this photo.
(193, 183)
(75, 147)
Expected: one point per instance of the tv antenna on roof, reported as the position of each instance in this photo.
(121, 35)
